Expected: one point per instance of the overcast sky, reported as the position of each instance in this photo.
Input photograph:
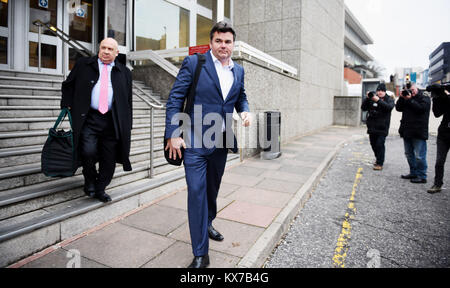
(405, 32)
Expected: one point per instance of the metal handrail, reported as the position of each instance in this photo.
(64, 37)
(152, 107)
(158, 105)
(155, 58)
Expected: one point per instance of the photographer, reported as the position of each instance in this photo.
(415, 108)
(379, 107)
(441, 106)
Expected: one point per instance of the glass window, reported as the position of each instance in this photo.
(3, 50)
(161, 25)
(206, 3)
(117, 20)
(80, 22)
(73, 57)
(228, 9)
(48, 58)
(204, 26)
(47, 14)
(4, 13)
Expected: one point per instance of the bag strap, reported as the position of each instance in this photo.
(191, 96)
(62, 116)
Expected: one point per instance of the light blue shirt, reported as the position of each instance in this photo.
(95, 96)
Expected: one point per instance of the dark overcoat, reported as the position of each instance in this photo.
(379, 116)
(76, 94)
(415, 117)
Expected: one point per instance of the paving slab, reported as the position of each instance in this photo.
(119, 245)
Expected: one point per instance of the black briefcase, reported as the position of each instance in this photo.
(188, 104)
(58, 157)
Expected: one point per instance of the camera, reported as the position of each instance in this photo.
(407, 89)
(406, 92)
(372, 94)
(437, 90)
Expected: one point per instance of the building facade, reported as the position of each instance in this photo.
(135, 24)
(356, 40)
(440, 64)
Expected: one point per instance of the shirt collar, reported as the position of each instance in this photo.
(112, 64)
(215, 60)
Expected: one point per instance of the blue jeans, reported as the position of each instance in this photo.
(416, 154)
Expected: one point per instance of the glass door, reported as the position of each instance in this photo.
(79, 23)
(116, 22)
(4, 34)
(47, 11)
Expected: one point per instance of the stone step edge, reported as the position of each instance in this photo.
(28, 226)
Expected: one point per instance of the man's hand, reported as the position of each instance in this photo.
(375, 98)
(245, 116)
(174, 146)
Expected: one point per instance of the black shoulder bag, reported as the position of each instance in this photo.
(188, 104)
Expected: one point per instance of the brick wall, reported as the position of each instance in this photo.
(351, 76)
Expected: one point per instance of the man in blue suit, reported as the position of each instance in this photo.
(219, 90)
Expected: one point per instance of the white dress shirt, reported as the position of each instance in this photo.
(226, 76)
(95, 96)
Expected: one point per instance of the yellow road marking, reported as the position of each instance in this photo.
(340, 253)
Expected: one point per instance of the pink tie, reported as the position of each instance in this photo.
(103, 101)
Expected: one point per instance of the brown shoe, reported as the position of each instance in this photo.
(377, 167)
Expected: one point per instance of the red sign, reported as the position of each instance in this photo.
(202, 49)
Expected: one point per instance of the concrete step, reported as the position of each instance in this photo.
(36, 137)
(29, 90)
(40, 123)
(22, 74)
(15, 202)
(27, 81)
(10, 157)
(26, 234)
(52, 111)
(28, 174)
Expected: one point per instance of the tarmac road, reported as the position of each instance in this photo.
(358, 217)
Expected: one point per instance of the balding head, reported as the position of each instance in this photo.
(108, 51)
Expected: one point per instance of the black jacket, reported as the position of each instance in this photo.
(441, 106)
(379, 115)
(76, 93)
(416, 116)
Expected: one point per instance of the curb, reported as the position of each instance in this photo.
(261, 250)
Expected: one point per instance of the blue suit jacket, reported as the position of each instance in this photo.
(209, 95)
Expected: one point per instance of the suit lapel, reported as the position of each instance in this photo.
(211, 70)
(234, 83)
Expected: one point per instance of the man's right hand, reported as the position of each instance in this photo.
(174, 146)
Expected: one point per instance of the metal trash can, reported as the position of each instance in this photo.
(272, 135)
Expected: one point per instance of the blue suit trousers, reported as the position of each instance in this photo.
(203, 176)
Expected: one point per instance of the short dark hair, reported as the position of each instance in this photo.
(222, 27)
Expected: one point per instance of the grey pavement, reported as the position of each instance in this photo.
(392, 224)
(257, 201)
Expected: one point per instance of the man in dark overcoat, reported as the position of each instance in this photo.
(98, 92)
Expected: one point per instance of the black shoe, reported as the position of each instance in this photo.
(214, 234)
(418, 180)
(409, 176)
(102, 196)
(200, 262)
(89, 189)
(435, 189)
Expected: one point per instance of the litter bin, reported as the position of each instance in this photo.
(272, 135)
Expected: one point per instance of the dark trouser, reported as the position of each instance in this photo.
(442, 151)
(416, 154)
(98, 143)
(203, 176)
(377, 143)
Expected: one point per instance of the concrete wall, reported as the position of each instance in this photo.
(306, 34)
(347, 110)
